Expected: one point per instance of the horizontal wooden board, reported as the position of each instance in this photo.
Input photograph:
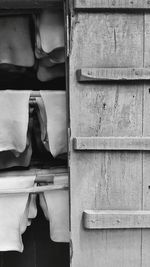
(112, 74)
(23, 4)
(112, 4)
(112, 143)
(112, 219)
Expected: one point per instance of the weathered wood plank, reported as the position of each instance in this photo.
(26, 4)
(114, 219)
(112, 143)
(112, 74)
(106, 180)
(146, 156)
(111, 4)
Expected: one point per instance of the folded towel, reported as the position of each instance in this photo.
(14, 117)
(52, 113)
(49, 32)
(55, 205)
(15, 209)
(15, 44)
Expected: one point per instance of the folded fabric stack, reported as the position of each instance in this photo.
(16, 46)
(50, 47)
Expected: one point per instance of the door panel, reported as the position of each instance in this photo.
(102, 180)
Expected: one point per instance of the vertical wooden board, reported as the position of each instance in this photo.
(146, 156)
(110, 40)
(105, 180)
(107, 110)
(96, 48)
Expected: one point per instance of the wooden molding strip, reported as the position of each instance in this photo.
(111, 4)
(115, 219)
(112, 143)
(28, 4)
(112, 74)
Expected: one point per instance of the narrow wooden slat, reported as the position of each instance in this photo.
(112, 143)
(35, 189)
(116, 219)
(111, 4)
(23, 4)
(112, 74)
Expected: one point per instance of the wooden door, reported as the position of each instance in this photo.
(110, 129)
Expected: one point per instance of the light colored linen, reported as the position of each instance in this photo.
(9, 160)
(55, 205)
(15, 41)
(54, 109)
(49, 32)
(15, 212)
(14, 118)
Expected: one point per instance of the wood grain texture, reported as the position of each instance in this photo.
(146, 156)
(112, 143)
(109, 219)
(105, 180)
(111, 4)
(112, 74)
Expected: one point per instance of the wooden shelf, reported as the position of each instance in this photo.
(111, 219)
(112, 74)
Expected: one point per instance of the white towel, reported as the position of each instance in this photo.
(55, 205)
(14, 117)
(15, 209)
(56, 122)
(15, 41)
(49, 32)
